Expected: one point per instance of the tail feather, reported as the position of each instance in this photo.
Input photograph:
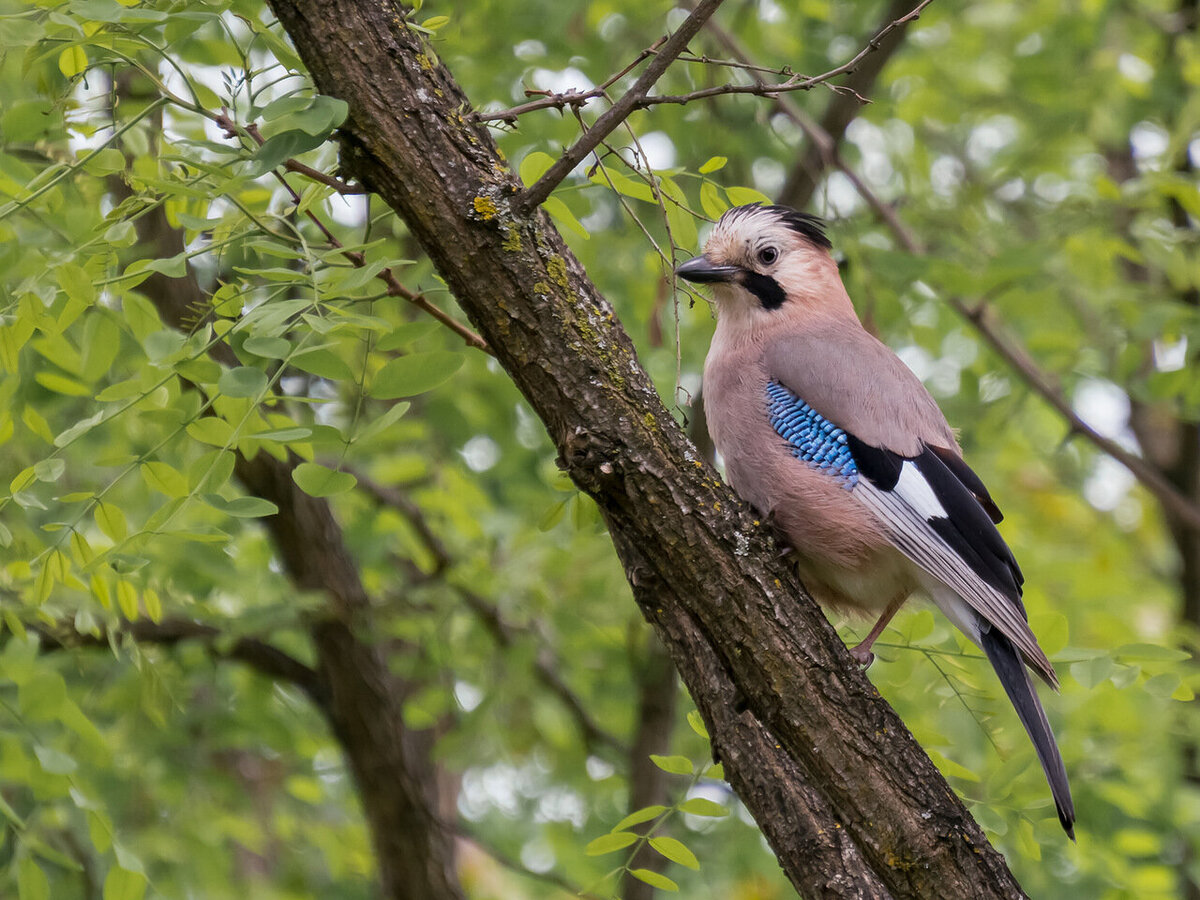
(1010, 668)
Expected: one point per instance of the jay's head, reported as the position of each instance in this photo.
(765, 259)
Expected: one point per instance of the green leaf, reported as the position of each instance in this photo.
(164, 478)
(675, 851)
(1030, 846)
(153, 604)
(71, 62)
(244, 381)
(267, 347)
(534, 166)
(559, 211)
(416, 373)
(696, 723)
(380, 423)
(111, 521)
(740, 196)
(607, 843)
(284, 435)
(50, 470)
(714, 163)
(1090, 672)
(711, 202)
(127, 600)
(55, 762)
(281, 147)
(242, 507)
(32, 883)
(1149, 653)
(951, 768)
(645, 814)
(676, 765)
(318, 481)
(324, 364)
(702, 806)
(210, 471)
(121, 884)
(1163, 685)
(989, 819)
(654, 879)
(211, 430)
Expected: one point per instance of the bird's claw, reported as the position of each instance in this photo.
(862, 656)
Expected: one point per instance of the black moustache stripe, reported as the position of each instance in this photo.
(765, 288)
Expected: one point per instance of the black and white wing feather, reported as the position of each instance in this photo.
(937, 520)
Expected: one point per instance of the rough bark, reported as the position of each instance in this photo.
(835, 780)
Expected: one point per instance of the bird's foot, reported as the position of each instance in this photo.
(862, 655)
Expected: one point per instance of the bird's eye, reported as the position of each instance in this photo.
(768, 255)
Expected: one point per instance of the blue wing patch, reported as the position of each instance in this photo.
(811, 437)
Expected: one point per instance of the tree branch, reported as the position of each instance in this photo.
(619, 111)
(819, 758)
(260, 655)
(1176, 503)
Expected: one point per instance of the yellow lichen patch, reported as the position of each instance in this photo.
(649, 421)
(486, 207)
(424, 62)
(540, 287)
(556, 268)
(512, 242)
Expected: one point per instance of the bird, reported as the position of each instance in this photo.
(826, 431)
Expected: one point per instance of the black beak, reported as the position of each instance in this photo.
(702, 270)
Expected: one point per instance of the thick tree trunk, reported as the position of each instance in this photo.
(850, 803)
(393, 769)
(648, 784)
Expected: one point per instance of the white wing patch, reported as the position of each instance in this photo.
(916, 491)
(911, 532)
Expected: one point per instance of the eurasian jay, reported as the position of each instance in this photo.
(826, 431)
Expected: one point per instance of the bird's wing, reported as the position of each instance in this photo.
(935, 513)
(855, 380)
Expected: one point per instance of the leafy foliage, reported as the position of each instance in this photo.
(168, 306)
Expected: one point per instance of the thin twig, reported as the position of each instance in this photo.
(293, 165)
(564, 99)
(828, 146)
(619, 111)
(357, 259)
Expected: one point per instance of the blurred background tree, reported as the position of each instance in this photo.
(193, 302)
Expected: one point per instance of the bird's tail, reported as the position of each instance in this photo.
(1009, 667)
